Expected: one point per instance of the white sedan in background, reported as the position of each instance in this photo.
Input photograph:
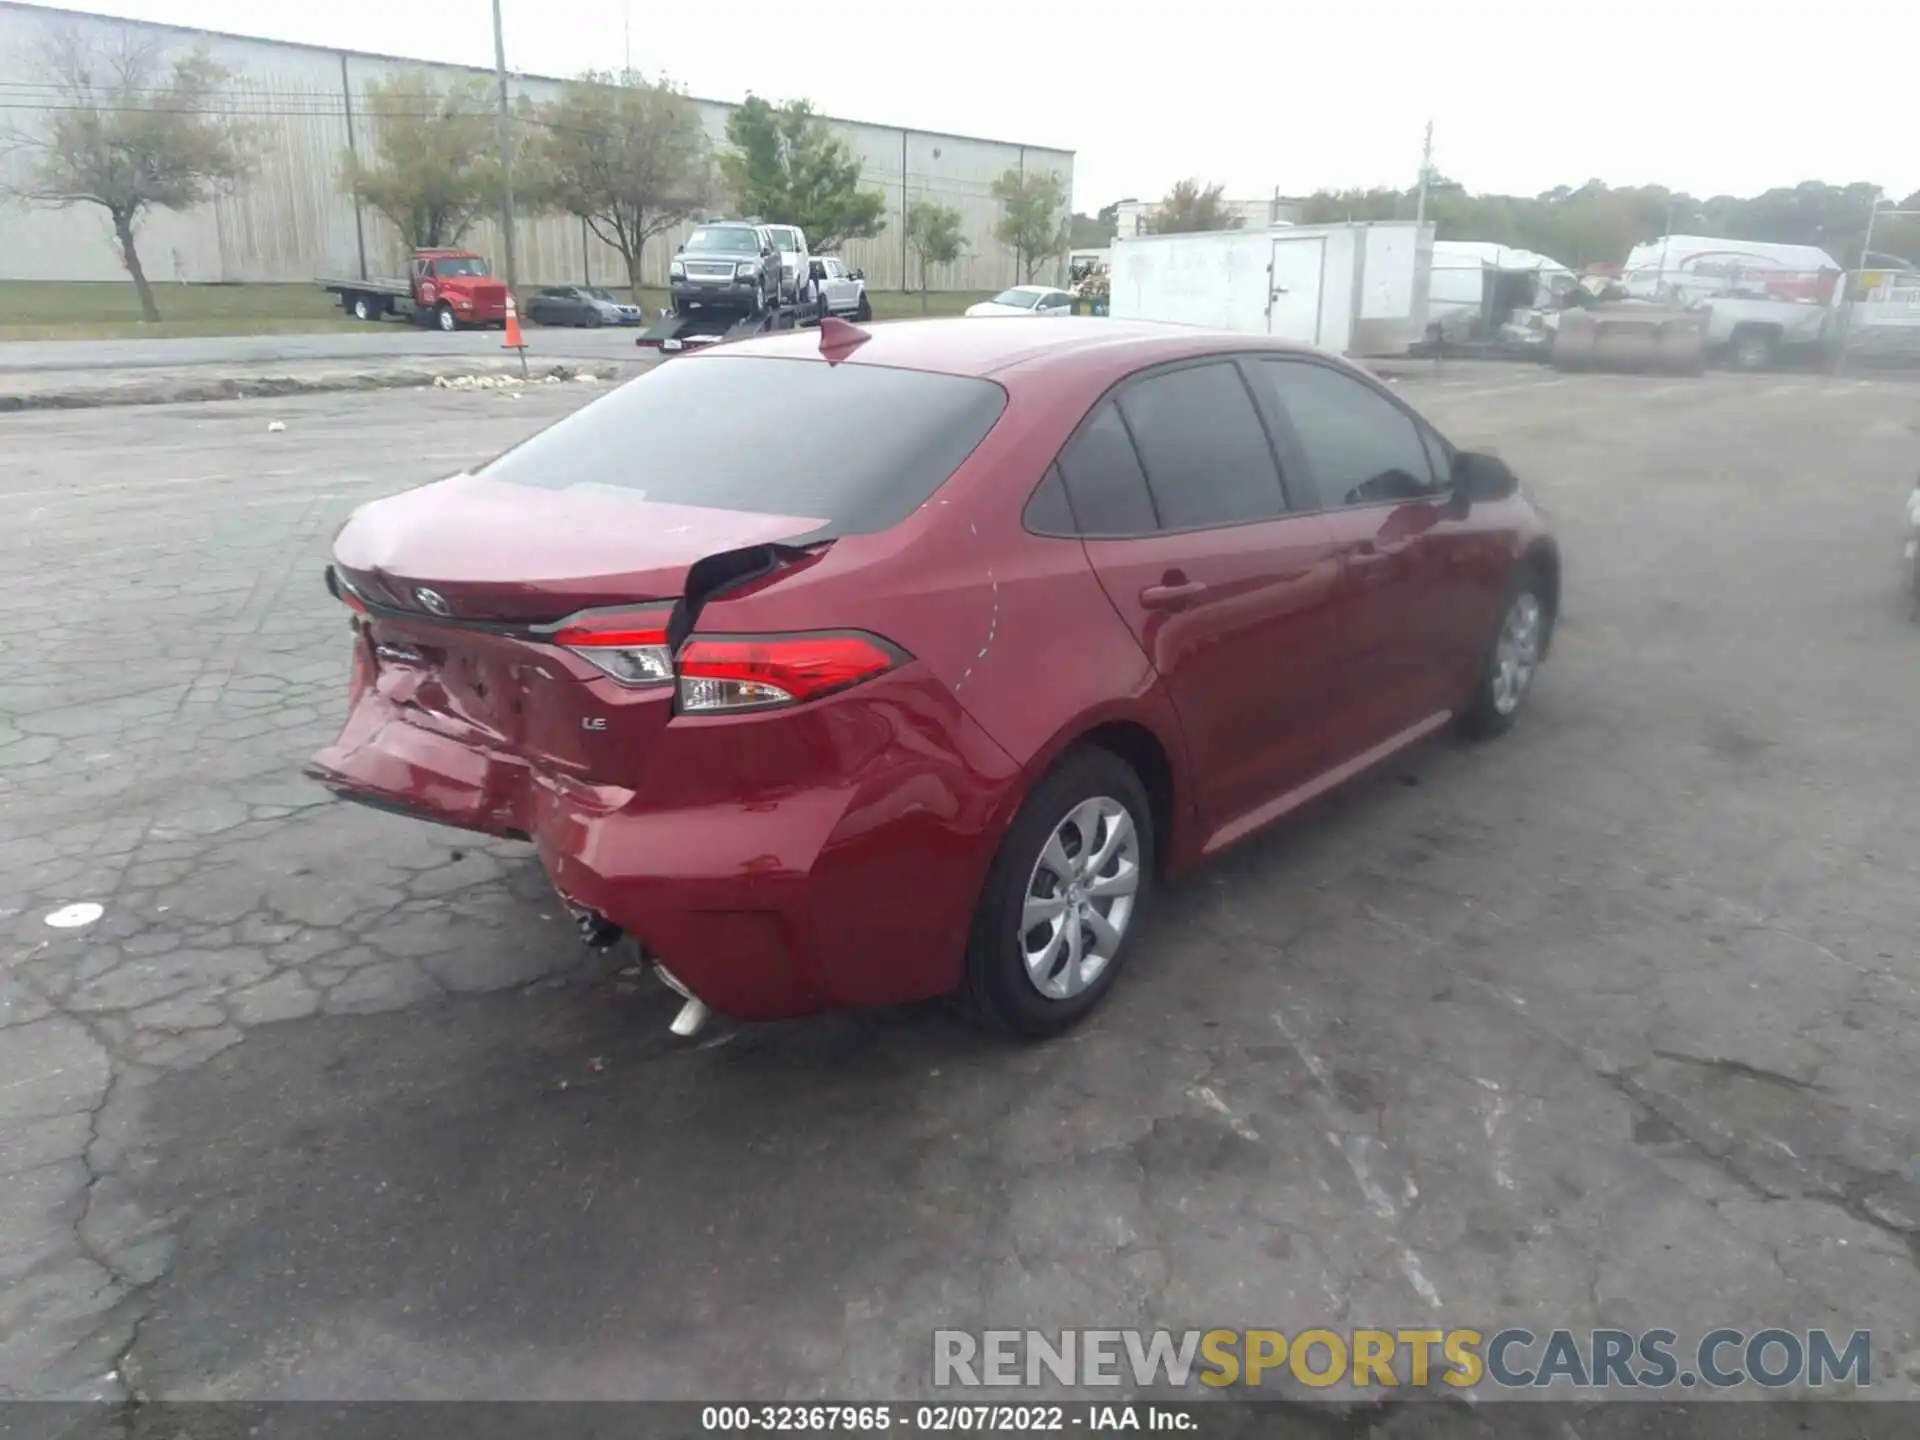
(1026, 300)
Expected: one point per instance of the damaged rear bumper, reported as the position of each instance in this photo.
(770, 898)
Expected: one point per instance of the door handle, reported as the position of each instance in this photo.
(1172, 597)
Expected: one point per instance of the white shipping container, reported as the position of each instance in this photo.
(1353, 289)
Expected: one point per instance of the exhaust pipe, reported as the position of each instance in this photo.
(694, 1015)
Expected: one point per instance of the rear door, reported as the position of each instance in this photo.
(1175, 488)
(1404, 593)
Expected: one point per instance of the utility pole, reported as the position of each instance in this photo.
(506, 147)
(1426, 170)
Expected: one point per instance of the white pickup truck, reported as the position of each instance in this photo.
(1759, 332)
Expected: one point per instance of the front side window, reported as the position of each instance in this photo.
(1363, 449)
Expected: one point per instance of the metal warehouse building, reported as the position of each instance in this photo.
(291, 220)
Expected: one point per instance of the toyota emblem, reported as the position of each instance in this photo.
(432, 602)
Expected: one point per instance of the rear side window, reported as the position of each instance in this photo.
(1363, 449)
(718, 431)
(1205, 451)
(1104, 480)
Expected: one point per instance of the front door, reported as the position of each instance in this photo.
(1175, 489)
(1392, 520)
(1296, 281)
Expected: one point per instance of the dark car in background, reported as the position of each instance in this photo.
(824, 724)
(726, 265)
(580, 305)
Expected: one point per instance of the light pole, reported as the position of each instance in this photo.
(505, 137)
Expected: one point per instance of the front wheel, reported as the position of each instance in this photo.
(1066, 894)
(1512, 660)
(444, 317)
(864, 311)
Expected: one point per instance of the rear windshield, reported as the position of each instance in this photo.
(731, 241)
(720, 431)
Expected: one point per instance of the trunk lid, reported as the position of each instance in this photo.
(503, 552)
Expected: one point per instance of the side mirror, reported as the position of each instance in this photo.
(856, 274)
(1482, 477)
(679, 249)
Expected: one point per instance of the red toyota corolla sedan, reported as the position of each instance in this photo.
(843, 668)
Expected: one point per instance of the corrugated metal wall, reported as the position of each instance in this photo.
(291, 221)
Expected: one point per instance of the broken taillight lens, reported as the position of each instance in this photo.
(631, 648)
(723, 673)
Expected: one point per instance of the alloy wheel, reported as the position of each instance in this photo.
(1080, 898)
(1516, 654)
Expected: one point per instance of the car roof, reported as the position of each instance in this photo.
(1002, 346)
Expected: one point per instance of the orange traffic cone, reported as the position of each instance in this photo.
(515, 340)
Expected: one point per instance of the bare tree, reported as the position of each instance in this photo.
(127, 130)
(627, 156)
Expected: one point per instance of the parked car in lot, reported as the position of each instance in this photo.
(580, 305)
(1026, 300)
(728, 265)
(817, 738)
(842, 291)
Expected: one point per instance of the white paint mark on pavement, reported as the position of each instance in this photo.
(72, 917)
(1206, 1096)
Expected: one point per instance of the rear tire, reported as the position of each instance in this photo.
(1512, 660)
(1089, 817)
(364, 309)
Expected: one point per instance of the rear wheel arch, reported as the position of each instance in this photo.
(1148, 751)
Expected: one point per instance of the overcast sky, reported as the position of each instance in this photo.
(1298, 94)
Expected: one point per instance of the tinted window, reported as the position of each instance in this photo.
(1362, 447)
(1048, 512)
(1105, 484)
(1438, 457)
(1024, 298)
(1204, 448)
(717, 431)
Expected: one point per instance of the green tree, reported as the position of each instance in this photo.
(1033, 223)
(127, 130)
(933, 230)
(628, 157)
(436, 165)
(1094, 232)
(1191, 206)
(789, 168)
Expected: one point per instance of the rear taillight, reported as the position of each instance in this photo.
(632, 649)
(722, 673)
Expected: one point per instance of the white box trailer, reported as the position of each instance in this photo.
(1356, 289)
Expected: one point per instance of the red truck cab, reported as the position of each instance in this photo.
(460, 284)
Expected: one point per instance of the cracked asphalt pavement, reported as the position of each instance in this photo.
(1610, 1022)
